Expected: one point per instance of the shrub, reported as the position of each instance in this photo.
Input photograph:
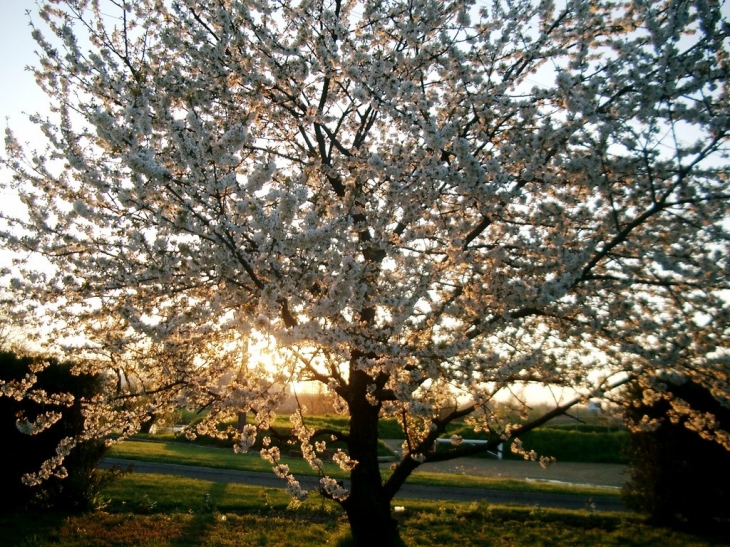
(592, 445)
(80, 488)
(675, 476)
(576, 446)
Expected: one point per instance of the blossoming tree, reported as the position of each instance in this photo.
(422, 202)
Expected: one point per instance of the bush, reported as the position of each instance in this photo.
(675, 476)
(80, 488)
(576, 446)
(589, 445)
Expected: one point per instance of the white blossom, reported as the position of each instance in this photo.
(344, 461)
(333, 488)
(246, 439)
(456, 440)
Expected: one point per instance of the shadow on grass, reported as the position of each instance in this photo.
(195, 531)
(29, 529)
(345, 539)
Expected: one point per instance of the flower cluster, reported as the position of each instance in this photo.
(333, 488)
(52, 466)
(246, 439)
(42, 422)
(344, 461)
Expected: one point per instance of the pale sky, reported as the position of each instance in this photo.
(18, 91)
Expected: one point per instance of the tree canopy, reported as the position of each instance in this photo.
(419, 203)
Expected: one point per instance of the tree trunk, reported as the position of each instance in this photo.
(368, 505)
(371, 523)
(241, 421)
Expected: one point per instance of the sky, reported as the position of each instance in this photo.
(18, 91)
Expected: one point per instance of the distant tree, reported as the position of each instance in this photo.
(676, 476)
(62, 397)
(412, 201)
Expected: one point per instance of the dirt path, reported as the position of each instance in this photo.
(594, 474)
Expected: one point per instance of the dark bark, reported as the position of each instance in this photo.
(368, 505)
(241, 421)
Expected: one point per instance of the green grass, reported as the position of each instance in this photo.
(588, 444)
(219, 458)
(185, 454)
(578, 445)
(159, 511)
(283, 426)
(573, 442)
(567, 442)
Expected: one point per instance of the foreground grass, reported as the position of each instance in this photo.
(185, 454)
(159, 511)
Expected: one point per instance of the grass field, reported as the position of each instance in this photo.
(162, 511)
(157, 511)
(188, 454)
(567, 442)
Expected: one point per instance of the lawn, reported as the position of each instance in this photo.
(566, 442)
(221, 458)
(160, 511)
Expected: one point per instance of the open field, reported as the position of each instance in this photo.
(598, 442)
(156, 511)
(186, 454)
